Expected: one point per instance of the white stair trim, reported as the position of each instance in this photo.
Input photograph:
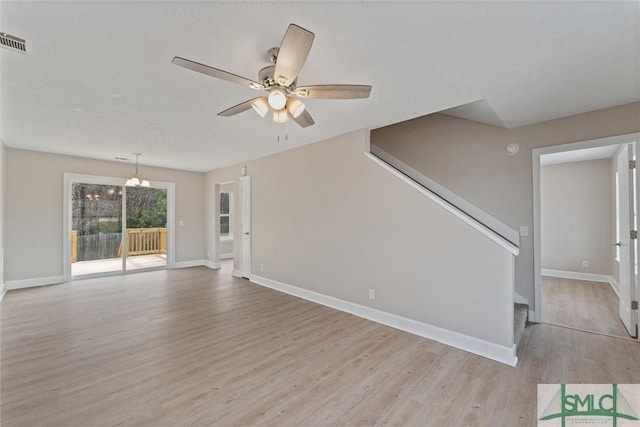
(484, 230)
(473, 212)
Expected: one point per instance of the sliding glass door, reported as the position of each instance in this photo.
(146, 232)
(113, 229)
(96, 229)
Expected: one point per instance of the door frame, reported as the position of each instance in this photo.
(69, 180)
(537, 237)
(625, 218)
(245, 222)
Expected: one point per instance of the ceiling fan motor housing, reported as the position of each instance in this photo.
(265, 76)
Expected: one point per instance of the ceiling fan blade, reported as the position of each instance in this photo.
(237, 109)
(304, 119)
(214, 72)
(333, 91)
(294, 50)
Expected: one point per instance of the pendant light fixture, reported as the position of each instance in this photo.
(135, 180)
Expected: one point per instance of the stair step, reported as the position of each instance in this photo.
(520, 314)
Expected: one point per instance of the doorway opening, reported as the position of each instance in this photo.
(583, 218)
(226, 219)
(226, 223)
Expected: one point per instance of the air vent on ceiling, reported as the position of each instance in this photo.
(13, 43)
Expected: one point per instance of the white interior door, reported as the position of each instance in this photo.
(245, 226)
(627, 245)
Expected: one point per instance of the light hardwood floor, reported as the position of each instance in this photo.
(196, 347)
(591, 306)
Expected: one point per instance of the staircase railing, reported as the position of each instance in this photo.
(484, 219)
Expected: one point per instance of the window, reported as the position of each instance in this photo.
(225, 216)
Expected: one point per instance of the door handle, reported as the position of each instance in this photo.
(247, 233)
(617, 244)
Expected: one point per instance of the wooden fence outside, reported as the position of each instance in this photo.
(140, 241)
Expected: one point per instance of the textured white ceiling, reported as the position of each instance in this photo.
(99, 81)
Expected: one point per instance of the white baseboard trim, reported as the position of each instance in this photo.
(584, 276)
(3, 291)
(186, 264)
(226, 256)
(615, 286)
(236, 273)
(212, 265)
(576, 275)
(504, 354)
(30, 283)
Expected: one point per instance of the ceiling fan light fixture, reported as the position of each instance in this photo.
(279, 80)
(295, 107)
(280, 116)
(277, 99)
(261, 106)
(145, 183)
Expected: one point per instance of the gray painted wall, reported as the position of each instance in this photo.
(576, 201)
(469, 158)
(328, 219)
(33, 241)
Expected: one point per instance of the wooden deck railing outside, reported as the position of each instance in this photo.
(145, 241)
(74, 246)
(140, 241)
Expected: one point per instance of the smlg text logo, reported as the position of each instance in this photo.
(562, 405)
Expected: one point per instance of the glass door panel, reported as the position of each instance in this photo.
(146, 233)
(96, 229)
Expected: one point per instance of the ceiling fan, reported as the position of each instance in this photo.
(280, 81)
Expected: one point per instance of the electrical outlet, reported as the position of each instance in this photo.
(261, 267)
(524, 231)
(372, 293)
(585, 264)
(181, 223)
(208, 253)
